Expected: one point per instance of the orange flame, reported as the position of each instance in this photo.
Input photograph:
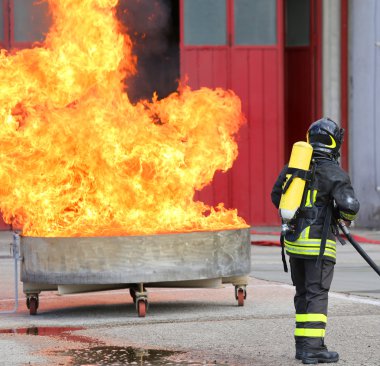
(78, 159)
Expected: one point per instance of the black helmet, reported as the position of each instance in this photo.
(325, 136)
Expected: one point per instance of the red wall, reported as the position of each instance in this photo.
(255, 73)
(298, 103)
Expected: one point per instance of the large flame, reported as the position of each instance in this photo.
(77, 158)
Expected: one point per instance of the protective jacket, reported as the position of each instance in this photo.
(329, 193)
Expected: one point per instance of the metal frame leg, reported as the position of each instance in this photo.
(15, 246)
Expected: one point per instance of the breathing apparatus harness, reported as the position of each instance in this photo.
(306, 215)
(291, 228)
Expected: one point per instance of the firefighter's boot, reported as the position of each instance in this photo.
(299, 347)
(320, 357)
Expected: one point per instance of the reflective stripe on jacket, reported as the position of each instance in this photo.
(307, 246)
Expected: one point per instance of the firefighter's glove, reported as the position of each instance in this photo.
(347, 223)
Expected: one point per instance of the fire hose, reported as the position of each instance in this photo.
(356, 245)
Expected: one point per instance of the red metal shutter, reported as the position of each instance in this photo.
(254, 71)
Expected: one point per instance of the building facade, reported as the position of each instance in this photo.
(364, 107)
(290, 61)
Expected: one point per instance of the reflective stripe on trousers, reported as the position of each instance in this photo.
(310, 325)
(311, 300)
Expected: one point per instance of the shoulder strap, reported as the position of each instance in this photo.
(325, 230)
(296, 172)
(312, 181)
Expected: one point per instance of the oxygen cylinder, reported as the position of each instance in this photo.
(291, 199)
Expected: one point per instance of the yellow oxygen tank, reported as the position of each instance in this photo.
(291, 199)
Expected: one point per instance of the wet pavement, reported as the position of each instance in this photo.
(97, 353)
(192, 326)
(119, 356)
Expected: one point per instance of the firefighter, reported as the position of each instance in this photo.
(310, 240)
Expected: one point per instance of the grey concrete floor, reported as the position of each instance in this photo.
(205, 324)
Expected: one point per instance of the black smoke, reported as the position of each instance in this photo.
(153, 26)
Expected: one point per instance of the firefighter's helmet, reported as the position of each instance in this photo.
(325, 136)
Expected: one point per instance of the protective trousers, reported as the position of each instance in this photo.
(311, 300)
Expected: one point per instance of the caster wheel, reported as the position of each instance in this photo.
(240, 297)
(141, 308)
